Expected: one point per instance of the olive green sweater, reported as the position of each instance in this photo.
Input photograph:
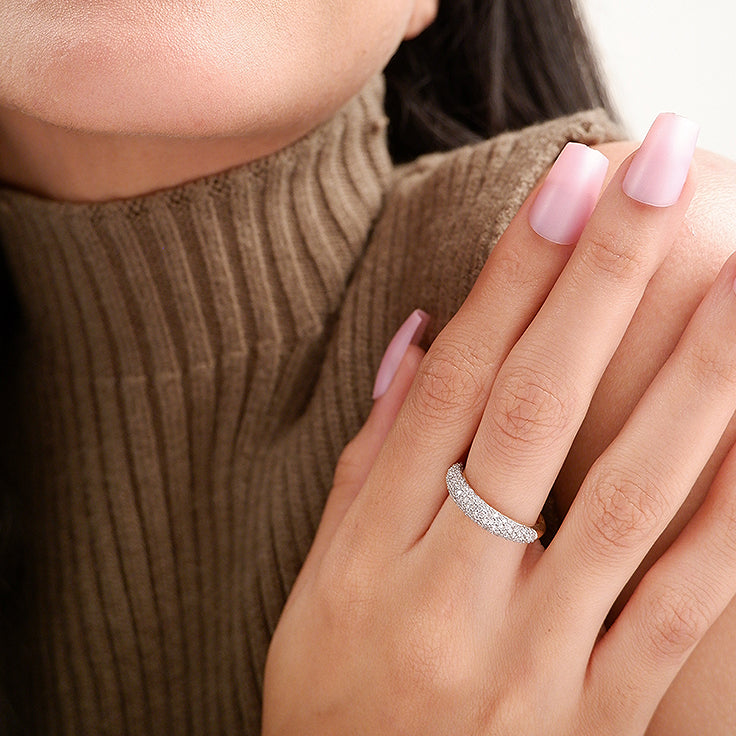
(189, 365)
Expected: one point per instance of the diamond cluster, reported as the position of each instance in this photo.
(473, 506)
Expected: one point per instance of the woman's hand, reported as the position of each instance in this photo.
(409, 618)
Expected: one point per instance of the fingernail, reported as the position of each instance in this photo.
(659, 169)
(409, 333)
(569, 194)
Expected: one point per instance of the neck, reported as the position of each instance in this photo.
(69, 165)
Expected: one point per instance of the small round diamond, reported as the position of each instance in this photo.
(474, 507)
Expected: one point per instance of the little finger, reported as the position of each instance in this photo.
(672, 608)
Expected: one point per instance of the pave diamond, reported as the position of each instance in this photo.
(473, 506)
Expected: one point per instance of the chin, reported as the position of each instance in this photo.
(189, 100)
(187, 82)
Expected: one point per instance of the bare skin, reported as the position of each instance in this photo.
(702, 699)
(451, 656)
(104, 100)
(212, 115)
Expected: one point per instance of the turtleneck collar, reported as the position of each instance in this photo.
(261, 252)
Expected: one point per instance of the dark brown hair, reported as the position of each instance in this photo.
(485, 66)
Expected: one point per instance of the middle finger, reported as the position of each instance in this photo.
(543, 389)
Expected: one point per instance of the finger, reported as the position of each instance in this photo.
(360, 453)
(444, 406)
(673, 606)
(635, 488)
(542, 392)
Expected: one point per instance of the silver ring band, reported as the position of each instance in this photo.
(475, 508)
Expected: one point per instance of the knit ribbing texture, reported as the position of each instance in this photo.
(191, 364)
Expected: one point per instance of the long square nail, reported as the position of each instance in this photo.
(658, 172)
(569, 194)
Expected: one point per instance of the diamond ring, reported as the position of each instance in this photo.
(475, 508)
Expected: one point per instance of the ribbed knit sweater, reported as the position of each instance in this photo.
(190, 364)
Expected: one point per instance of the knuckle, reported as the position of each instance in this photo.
(345, 591)
(425, 651)
(727, 514)
(503, 709)
(512, 269)
(677, 619)
(622, 509)
(721, 542)
(523, 690)
(611, 253)
(432, 661)
(708, 365)
(529, 408)
(450, 378)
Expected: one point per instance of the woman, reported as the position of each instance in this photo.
(195, 348)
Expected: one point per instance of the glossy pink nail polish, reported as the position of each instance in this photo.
(409, 333)
(658, 172)
(569, 194)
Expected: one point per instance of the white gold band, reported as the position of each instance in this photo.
(475, 508)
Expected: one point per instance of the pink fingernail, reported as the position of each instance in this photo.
(409, 333)
(659, 169)
(569, 194)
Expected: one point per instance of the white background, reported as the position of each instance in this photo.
(670, 55)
